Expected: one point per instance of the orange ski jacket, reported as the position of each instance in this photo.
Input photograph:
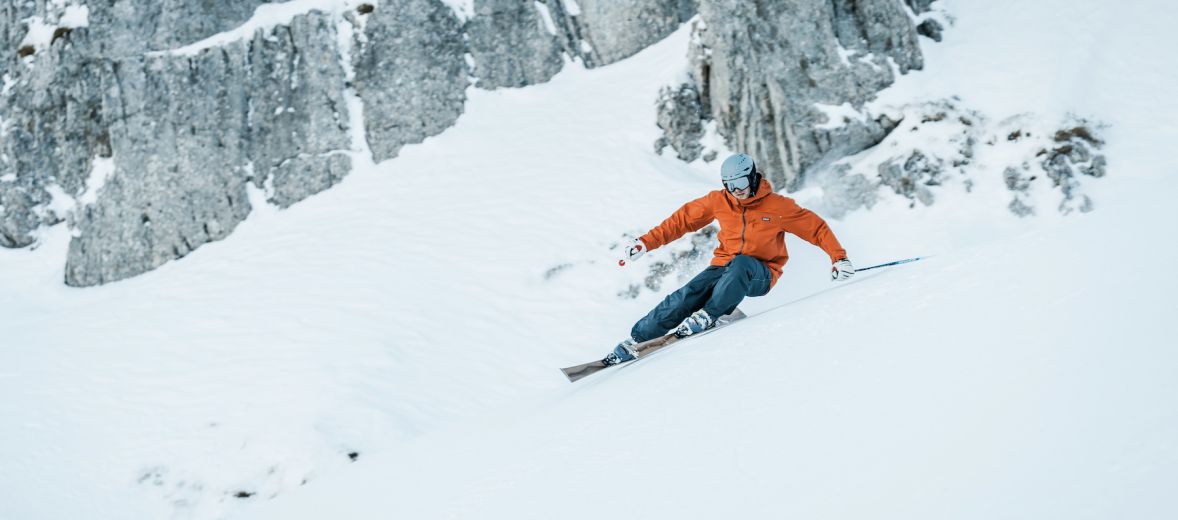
(754, 227)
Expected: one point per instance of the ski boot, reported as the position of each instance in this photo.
(622, 353)
(694, 324)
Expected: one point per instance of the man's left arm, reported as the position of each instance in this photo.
(810, 227)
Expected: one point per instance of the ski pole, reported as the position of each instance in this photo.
(897, 262)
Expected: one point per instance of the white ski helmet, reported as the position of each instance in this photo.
(739, 172)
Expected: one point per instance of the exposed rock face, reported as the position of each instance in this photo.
(12, 30)
(680, 114)
(184, 134)
(600, 32)
(124, 28)
(617, 29)
(774, 75)
(410, 73)
(148, 148)
(47, 139)
(514, 43)
(174, 150)
(188, 133)
(877, 27)
(522, 42)
(298, 122)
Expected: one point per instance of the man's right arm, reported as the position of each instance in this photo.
(691, 217)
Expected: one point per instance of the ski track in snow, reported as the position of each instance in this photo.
(405, 316)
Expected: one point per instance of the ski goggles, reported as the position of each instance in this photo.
(739, 183)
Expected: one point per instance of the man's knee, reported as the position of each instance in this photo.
(745, 263)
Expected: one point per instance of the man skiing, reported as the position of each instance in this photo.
(753, 222)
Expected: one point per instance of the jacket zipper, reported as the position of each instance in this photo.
(743, 225)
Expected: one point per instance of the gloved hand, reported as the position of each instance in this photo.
(633, 251)
(842, 270)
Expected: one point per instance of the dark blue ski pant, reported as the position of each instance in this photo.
(718, 290)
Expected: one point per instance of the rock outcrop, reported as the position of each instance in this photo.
(522, 42)
(787, 81)
(1042, 164)
(513, 43)
(131, 122)
(149, 151)
(1073, 154)
(410, 72)
(47, 122)
(612, 30)
(681, 117)
(188, 133)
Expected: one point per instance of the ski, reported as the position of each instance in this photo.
(646, 348)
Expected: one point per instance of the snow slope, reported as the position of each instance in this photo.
(415, 316)
(944, 390)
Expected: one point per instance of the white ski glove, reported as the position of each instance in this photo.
(842, 270)
(632, 252)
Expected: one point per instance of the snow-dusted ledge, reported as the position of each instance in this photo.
(265, 17)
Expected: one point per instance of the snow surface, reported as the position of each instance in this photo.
(100, 171)
(463, 9)
(415, 316)
(572, 7)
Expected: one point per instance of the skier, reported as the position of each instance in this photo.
(753, 222)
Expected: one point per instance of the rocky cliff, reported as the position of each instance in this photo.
(144, 125)
(786, 81)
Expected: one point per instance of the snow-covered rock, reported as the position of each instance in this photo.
(942, 145)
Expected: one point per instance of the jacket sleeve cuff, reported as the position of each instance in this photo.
(650, 242)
